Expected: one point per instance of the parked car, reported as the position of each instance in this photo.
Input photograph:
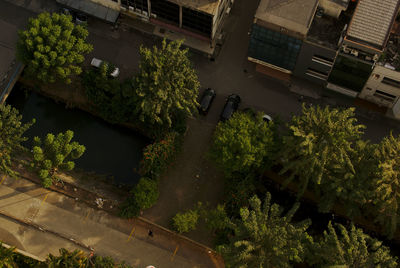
(97, 63)
(266, 118)
(231, 105)
(81, 18)
(206, 100)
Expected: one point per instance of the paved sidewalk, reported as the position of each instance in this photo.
(79, 226)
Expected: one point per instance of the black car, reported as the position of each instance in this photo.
(206, 100)
(231, 105)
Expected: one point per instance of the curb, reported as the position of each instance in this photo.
(43, 229)
(207, 250)
(22, 252)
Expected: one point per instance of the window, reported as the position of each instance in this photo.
(138, 5)
(384, 96)
(392, 82)
(165, 10)
(198, 21)
(274, 47)
(350, 73)
(322, 60)
(317, 74)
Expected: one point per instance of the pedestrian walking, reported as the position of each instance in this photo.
(150, 233)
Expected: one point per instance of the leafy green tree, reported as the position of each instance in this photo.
(145, 193)
(7, 257)
(11, 136)
(52, 47)
(185, 222)
(385, 186)
(166, 85)
(243, 143)
(319, 146)
(114, 101)
(55, 153)
(216, 219)
(158, 155)
(351, 248)
(264, 238)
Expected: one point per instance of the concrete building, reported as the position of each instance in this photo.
(320, 46)
(201, 18)
(277, 35)
(363, 44)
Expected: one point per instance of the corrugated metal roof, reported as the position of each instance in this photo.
(372, 20)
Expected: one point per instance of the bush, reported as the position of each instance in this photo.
(145, 193)
(185, 222)
(129, 208)
(158, 155)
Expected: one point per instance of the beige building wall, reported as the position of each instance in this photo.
(382, 87)
(109, 3)
(331, 8)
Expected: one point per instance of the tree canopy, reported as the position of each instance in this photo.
(264, 238)
(166, 85)
(351, 248)
(319, 148)
(243, 143)
(11, 135)
(52, 47)
(55, 153)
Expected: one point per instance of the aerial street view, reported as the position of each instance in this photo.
(200, 133)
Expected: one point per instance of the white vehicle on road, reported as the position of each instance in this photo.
(97, 63)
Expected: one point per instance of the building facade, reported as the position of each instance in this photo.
(201, 18)
(277, 35)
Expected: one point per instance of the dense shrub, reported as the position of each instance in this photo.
(185, 222)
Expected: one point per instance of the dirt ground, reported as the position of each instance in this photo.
(191, 179)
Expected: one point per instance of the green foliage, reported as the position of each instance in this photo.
(114, 101)
(185, 222)
(145, 193)
(238, 191)
(7, 257)
(55, 153)
(78, 259)
(264, 238)
(158, 155)
(52, 47)
(318, 151)
(11, 136)
(351, 248)
(216, 219)
(243, 143)
(166, 84)
(385, 184)
(129, 208)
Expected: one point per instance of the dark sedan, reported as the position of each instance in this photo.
(231, 105)
(206, 100)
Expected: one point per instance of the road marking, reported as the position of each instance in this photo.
(133, 230)
(86, 217)
(44, 199)
(4, 176)
(173, 255)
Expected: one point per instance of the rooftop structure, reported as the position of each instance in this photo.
(206, 6)
(326, 30)
(372, 22)
(293, 15)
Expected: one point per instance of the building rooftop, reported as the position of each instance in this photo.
(206, 6)
(372, 21)
(294, 15)
(327, 30)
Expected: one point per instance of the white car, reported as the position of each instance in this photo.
(97, 63)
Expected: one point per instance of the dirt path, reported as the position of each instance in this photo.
(192, 178)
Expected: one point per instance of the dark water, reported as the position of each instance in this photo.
(110, 150)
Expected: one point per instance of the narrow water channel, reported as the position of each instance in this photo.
(110, 150)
